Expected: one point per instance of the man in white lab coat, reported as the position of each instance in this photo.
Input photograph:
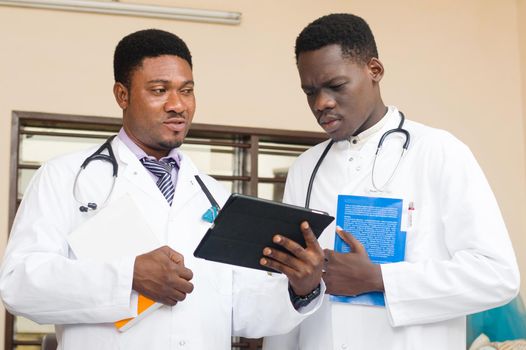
(204, 302)
(458, 256)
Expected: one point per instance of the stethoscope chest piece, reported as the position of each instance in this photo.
(208, 216)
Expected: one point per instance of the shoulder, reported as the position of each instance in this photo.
(74, 157)
(68, 162)
(53, 180)
(427, 139)
(439, 154)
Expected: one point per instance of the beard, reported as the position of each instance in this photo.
(168, 146)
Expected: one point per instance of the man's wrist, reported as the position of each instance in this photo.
(378, 283)
(299, 301)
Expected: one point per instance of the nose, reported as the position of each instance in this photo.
(323, 101)
(174, 103)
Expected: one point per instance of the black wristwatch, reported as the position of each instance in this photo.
(301, 301)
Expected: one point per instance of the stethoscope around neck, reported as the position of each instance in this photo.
(98, 155)
(376, 188)
(208, 216)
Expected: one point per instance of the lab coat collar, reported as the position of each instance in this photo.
(388, 121)
(139, 152)
(187, 186)
(368, 139)
(132, 169)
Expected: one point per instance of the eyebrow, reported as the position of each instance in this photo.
(164, 81)
(324, 83)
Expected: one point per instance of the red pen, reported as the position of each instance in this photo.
(410, 209)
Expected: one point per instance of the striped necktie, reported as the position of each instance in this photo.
(163, 170)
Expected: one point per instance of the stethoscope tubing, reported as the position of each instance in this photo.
(98, 155)
(405, 146)
(110, 157)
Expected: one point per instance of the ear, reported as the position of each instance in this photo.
(376, 69)
(122, 95)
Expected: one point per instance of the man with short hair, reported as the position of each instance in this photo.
(204, 302)
(458, 256)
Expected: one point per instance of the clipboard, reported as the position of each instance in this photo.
(245, 225)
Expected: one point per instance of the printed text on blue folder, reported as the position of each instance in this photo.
(375, 222)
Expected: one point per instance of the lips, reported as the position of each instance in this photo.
(175, 124)
(330, 123)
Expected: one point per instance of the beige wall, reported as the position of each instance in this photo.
(521, 17)
(454, 65)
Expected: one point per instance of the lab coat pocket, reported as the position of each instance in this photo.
(409, 216)
(417, 227)
(410, 225)
(216, 276)
(102, 336)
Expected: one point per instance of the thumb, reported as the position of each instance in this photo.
(355, 244)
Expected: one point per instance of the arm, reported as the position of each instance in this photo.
(480, 269)
(40, 281)
(262, 305)
(460, 259)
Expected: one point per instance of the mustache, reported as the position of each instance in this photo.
(173, 114)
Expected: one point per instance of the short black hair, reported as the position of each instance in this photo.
(135, 47)
(351, 32)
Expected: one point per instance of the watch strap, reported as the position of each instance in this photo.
(299, 301)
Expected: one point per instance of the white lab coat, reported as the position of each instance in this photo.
(41, 280)
(459, 259)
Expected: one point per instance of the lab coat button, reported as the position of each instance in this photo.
(358, 168)
(351, 159)
(344, 346)
(182, 343)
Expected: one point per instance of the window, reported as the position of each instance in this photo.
(246, 160)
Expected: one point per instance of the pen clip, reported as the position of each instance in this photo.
(410, 210)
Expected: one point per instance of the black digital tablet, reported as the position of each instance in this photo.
(245, 225)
